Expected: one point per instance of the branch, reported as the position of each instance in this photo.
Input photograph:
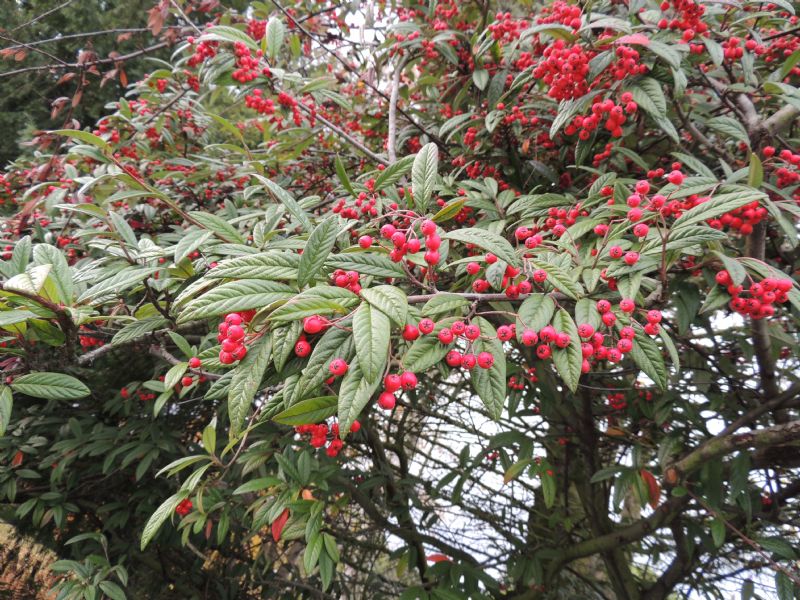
(721, 445)
(391, 141)
(344, 134)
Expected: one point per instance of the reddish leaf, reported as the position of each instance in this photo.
(279, 523)
(435, 558)
(653, 488)
(17, 460)
(634, 38)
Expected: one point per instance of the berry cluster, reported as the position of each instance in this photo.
(564, 68)
(760, 296)
(231, 336)
(363, 206)
(612, 115)
(184, 507)
(321, 435)
(246, 63)
(405, 244)
(393, 383)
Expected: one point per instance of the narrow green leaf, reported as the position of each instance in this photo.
(316, 250)
(305, 412)
(354, 394)
(390, 300)
(423, 175)
(50, 386)
(161, 514)
(488, 241)
(371, 333)
(568, 361)
(246, 380)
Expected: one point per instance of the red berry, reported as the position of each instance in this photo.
(543, 351)
(428, 227)
(365, 241)
(226, 358)
(627, 305)
(504, 333)
(485, 360)
(392, 382)
(235, 332)
(446, 336)
(426, 326)
(187, 381)
(453, 358)
(312, 325)
(603, 306)
(490, 258)
(233, 319)
(539, 275)
(410, 333)
(473, 268)
(585, 330)
(469, 361)
(529, 337)
(194, 362)
(338, 367)
(408, 380)
(387, 401)
(472, 332)
(675, 177)
(302, 348)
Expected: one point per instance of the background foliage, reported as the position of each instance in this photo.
(420, 300)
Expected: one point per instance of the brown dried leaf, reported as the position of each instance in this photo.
(76, 99)
(123, 78)
(155, 20)
(124, 37)
(66, 77)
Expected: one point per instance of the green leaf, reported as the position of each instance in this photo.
(426, 350)
(423, 174)
(6, 404)
(173, 376)
(320, 300)
(784, 586)
(392, 174)
(233, 296)
(312, 552)
(354, 394)
(12, 317)
(161, 514)
(225, 33)
(305, 412)
(568, 361)
(371, 333)
(735, 269)
(559, 279)
(718, 205)
(648, 94)
(246, 380)
(586, 312)
(50, 386)
(60, 274)
(481, 78)
(283, 341)
(548, 488)
(274, 34)
(755, 172)
(117, 283)
(389, 300)
(29, 282)
(334, 343)
(366, 263)
(138, 329)
(449, 210)
(534, 313)
(190, 241)
(514, 470)
(288, 201)
(256, 485)
(268, 265)
(85, 137)
(488, 241)
(341, 173)
(316, 250)
(729, 127)
(444, 303)
(671, 57)
(217, 225)
(718, 531)
(112, 590)
(647, 356)
(490, 384)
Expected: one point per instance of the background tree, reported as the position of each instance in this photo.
(419, 301)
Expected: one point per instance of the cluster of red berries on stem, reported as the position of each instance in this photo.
(231, 336)
(761, 296)
(321, 435)
(392, 383)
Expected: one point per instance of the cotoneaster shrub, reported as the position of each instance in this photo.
(420, 300)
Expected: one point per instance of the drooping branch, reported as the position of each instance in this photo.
(722, 445)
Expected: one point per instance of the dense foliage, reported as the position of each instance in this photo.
(420, 300)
